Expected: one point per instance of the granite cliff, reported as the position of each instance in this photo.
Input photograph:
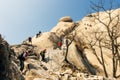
(84, 52)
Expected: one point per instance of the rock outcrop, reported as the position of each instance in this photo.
(4, 60)
(9, 69)
(66, 19)
(83, 59)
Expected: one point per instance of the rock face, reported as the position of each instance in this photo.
(87, 28)
(9, 70)
(84, 29)
(4, 55)
(77, 37)
(80, 55)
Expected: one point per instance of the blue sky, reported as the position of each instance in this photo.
(20, 19)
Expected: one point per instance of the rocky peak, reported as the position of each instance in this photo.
(83, 63)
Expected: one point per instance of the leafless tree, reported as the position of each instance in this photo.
(71, 39)
(112, 25)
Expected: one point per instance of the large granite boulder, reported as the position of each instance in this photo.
(66, 19)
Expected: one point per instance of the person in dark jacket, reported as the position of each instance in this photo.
(30, 40)
(22, 57)
(42, 53)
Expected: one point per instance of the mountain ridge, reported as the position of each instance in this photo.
(83, 58)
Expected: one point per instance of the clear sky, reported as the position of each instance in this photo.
(20, 19)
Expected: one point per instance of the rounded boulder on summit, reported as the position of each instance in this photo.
(66, 19)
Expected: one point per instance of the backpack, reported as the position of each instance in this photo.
(60, 43)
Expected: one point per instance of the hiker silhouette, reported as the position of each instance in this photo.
(30, 40)
(38, 34)
(42, 53)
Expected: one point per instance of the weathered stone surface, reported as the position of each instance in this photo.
(80, 55)
(9, 70)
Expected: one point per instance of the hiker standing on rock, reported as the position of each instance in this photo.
(30, 40)
(38, 34)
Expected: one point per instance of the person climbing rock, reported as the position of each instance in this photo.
(42, 53)
(59, 44)
(30, 40)
(22, 57)
(38, 34)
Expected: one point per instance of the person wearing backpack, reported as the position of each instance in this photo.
(22, 57)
